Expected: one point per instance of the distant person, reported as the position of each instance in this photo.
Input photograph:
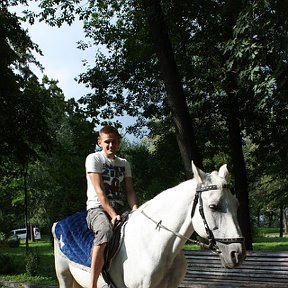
(104, 172)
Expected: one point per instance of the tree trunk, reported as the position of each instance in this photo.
(281, 221)
(175, 94)
(231, 10)
(285, 220)
(258, 218)
(239, 167)
(25, 169)
(270, 219)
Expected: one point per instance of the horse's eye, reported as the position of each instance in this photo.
(213, 207)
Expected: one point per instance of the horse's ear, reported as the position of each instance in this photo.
(199, 175)
(223, 171)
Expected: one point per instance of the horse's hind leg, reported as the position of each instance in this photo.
(63, 273)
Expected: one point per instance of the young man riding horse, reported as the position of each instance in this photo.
(104, 172)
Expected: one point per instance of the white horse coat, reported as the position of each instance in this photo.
(151, 256)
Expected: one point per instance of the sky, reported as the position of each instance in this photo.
(62, 60)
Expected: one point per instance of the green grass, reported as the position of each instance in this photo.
(266, 240)
(46, 272)
(23, 278)
(271, 244)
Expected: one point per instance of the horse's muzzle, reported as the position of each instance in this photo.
(232, 255)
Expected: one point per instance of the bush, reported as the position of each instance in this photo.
(7, 266)
(2, 236)
(32, 262)
(13, 243)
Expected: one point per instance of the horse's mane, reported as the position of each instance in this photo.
(164, 193)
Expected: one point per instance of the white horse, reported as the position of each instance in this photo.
(150, 253)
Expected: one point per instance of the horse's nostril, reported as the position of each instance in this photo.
(234, 257)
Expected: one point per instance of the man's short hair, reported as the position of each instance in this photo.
(108, 129)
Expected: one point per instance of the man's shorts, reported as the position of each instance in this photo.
(99, 223)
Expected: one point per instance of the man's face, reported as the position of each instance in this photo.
(109, 143)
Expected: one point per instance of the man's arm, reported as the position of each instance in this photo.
(131, 195)
(97, 182)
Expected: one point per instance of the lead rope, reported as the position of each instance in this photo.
(160, 225)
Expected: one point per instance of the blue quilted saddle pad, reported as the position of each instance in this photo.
(75, 238)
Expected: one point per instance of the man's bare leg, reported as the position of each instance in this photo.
(97, 263)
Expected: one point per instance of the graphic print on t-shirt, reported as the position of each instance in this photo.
(112, 177)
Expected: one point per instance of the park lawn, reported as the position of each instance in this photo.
(265, 241)
(46, 271)
(271, 244)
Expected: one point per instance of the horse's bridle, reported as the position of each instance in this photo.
(212, 240)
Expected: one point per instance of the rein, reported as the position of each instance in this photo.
(212, 240)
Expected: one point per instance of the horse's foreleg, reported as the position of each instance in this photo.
(76, 285)
(178, 271)
(175, 274)
(64, 277)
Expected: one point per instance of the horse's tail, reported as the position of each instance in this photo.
(53, 229)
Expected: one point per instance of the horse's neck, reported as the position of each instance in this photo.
(176, 198)
(173, 208)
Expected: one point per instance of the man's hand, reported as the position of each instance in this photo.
(115, 219)
(135, 207)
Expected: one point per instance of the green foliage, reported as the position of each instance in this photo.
(60, 176)
(23, 126)
(24, 129)
(155, 167)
